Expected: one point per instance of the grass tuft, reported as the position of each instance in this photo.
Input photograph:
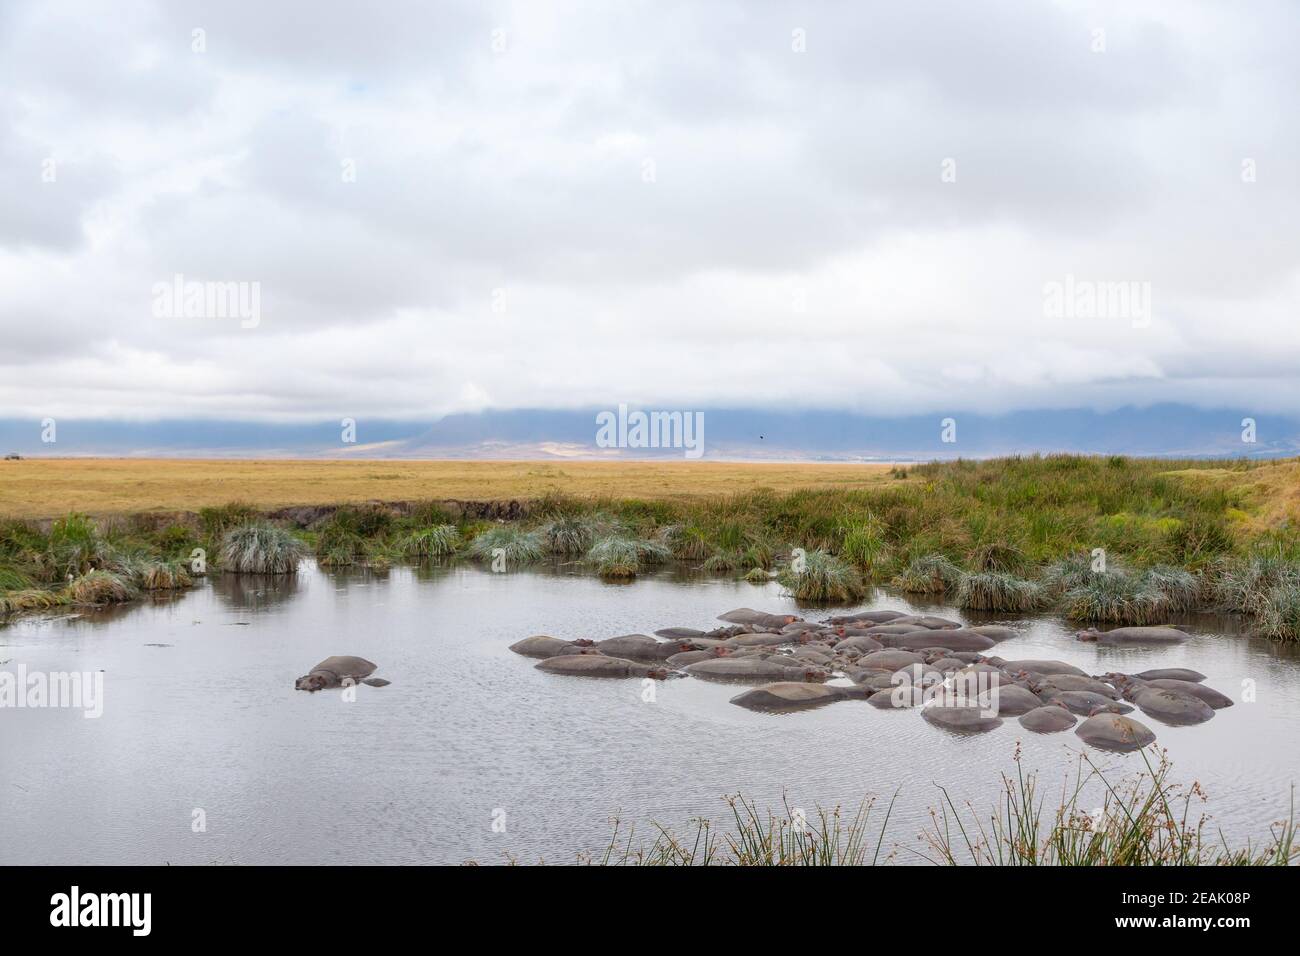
(260, 548)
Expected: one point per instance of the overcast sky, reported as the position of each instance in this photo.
(450, 207)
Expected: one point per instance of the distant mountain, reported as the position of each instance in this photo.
(755, 434)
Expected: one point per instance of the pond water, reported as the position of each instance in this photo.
(469, 734)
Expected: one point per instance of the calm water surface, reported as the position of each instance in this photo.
(415, 772)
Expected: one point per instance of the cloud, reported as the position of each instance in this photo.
(460, 206)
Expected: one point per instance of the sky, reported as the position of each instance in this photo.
(880, 208)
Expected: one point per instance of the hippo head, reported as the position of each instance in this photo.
(814, 674)
(583, 642)
(311, 682)
(1090, 634)
(721, 651)
(657, 673)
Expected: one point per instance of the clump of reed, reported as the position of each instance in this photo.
(1180, 589)
(574, 534)
(434, 541)
(512, 543)
(1072, 571)
(165, 576)
(863, 544)
(998, 591)
(929, 574)
(617, 557)
(1116, 597)
(1244, 585)
(819, 576)
(758, 576)
(101, 587)
(688, 542)
(1278, 614)
(31, 599)
(74, 546)
(259, 548)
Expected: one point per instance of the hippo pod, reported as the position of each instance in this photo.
(340, 672)
(755, 668)
(1134, 636)
(1115, 733)
(1049, 719)
(748, 616)
(599, 665)
(795, 695)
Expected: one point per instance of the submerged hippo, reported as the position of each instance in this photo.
(1059, 682)
(860, 644)
(889, 660)
(926, 620)
(755, 668)
(1030, 666)
(897, 698)
(1130, 687)
(795, 695)
(544, 646)
(598, 665)
(965, 720)
(952, 638)
(642, 647)
(1172, 707)
(1133, 636)
(1084, 702)
(1012, 700)
(748, 616)
(1049, 719)
(876, 617)
(678, 633)
(1172, 673)
(997, 632)
(338, 671)
(1115, 733)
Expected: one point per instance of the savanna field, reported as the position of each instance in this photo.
(1010, 534)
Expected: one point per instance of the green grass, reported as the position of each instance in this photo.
(516, 545)
(928, 574)
(998, 591)
(1279, 612)
(434, 541)
(823, 578)
(616, 557)
(1116, 597)
(260, 548)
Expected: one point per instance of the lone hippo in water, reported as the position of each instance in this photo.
(340, 672)
(1133, 636)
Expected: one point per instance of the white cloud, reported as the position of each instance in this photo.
(659, 203)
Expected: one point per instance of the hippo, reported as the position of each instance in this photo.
(1130, 687)
(759, 640)
(953, 638)
(1172, 673)
(1083, 702)
(748, 616)
(1134, 636)
(678, 633)
(1057, 682)
(995, 632)
(754, 668)
(873, 680)
(890, 629)
(926, 620)
(340, 672)
(690, 657)
(966, 720)
(544, 646)
(897, 698)
(1115, 733)
(642, 647)
(1012, 700)
(889, 660)
(1172, 707)
(1037, 667)
(1048, 719)
(599, 665)
(812, 655)
(794, 695)
(876, 617)
(796, 627)
(945, 664)
(861, 644)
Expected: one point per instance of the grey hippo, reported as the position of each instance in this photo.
(541, 645)
(1133, 636)
(953, 638)
(876, 617)
(1129, 686)
(338, 672)
(1049, 719)
(965, 720)
(598, 665)
(795, 695)
(1115, 733)
(748, 616)
(754, 668)
(1172, 673)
